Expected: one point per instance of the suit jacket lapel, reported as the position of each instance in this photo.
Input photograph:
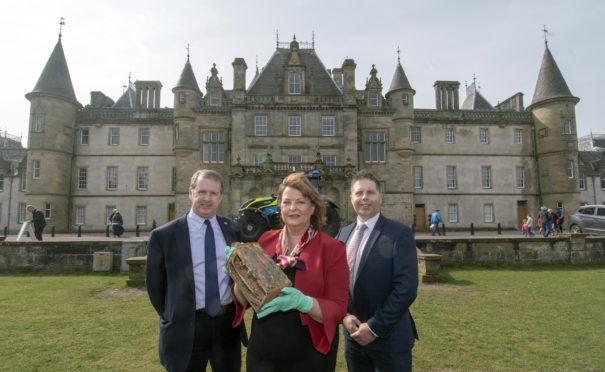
(346, 232)
(183, 244)
(376, 231)
(224, 225)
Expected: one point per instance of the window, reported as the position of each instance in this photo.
(142, 176)
(416, 135)
(144, 136)
(452, 212)
(36, 169)
(417, 177)
(112, 178)
(329, 160)
(23, 181)
(567, 127)
(182, 98)
(518, 136)
(520, 177)
(141, 214)
(84, 136)
(375, 147)
(483, 136)
(173, 179)
(294, 83)
(405, 100)
(488, 213)
(451, 177)
(176, 132)
(582, 181)
(486, 180)
(213, 147)
(294, 158)
(374, 99)
(1, 182)
(570, 169)
(258, 158)
(80, 215)
(328, 126)
(214, 99)
(114, 137)
(449, 135)
(21, 213)
(47, 211)
(38, 124)
(108, 212)
(260, 125)
(602, 181)
(82, 178)
(294, 126)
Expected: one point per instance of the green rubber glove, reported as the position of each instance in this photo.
(228, 251)
(292, 299)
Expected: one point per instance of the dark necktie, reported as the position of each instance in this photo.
(213, 300)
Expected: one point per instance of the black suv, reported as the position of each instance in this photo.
(588, 219)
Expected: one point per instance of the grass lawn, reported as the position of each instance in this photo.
(478, 319)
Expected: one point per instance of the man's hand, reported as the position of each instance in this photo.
(351, 323)
(363, 335)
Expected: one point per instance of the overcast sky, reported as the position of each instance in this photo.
(501, 43)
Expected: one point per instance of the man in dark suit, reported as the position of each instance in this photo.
(188, 288)
(378, 328)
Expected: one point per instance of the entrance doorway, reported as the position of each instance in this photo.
(419, 219)
(521, 212)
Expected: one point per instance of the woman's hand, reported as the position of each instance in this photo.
(292, 299)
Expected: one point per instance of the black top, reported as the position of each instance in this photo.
(279, 340)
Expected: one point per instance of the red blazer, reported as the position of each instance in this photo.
(326, 280)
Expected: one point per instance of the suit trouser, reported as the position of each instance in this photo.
(216, 341)
(361, 359)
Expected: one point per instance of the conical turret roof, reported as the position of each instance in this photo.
(400, 81)
(187, 79)
(55, 77)
(550, 81)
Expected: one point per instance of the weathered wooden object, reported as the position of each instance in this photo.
(257, 276)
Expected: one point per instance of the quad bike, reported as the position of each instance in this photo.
(261, 214)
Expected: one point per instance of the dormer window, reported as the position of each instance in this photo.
(294, 83)
(213, 99)
(374, 99)
(182, 98)
(405, 100)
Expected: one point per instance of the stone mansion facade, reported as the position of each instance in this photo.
(477, 163)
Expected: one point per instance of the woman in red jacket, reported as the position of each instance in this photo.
(298, 331)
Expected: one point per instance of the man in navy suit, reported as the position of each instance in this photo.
(378, 328)
(188, 288)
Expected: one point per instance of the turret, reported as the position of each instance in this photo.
(553, 108)
(401, 94)
(401, 97)
(187, 97)
(214, 89)
(50, 146)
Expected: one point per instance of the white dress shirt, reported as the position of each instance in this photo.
(197, 234)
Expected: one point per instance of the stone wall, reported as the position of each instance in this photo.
(500, 250)
(517, 251)
(67, 255)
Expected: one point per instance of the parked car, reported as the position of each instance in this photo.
(588, 219)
